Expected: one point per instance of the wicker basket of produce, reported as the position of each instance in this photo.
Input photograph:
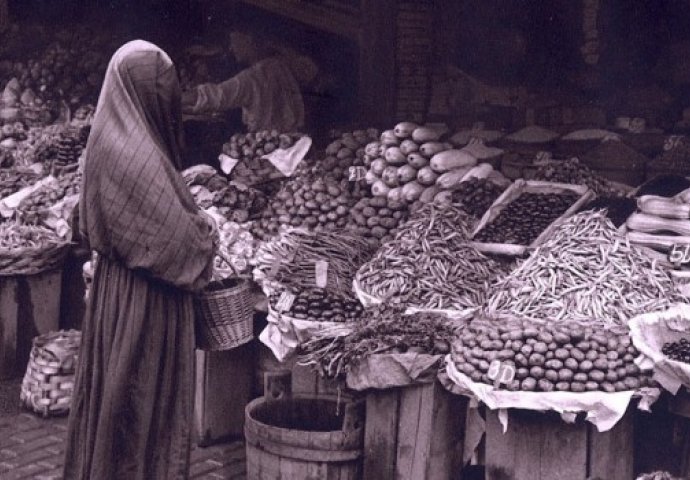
(30, 249)
(225, 315)
(49, 380)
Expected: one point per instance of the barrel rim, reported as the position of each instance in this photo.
(253, 423)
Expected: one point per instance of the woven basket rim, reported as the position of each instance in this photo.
(48, 257)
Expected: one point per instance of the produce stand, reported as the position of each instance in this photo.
(381, 294)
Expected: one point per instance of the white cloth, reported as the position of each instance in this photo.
(267, 92)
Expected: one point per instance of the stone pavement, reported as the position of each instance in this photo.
(32, 448)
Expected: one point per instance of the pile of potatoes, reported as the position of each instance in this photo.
(248, 148)
(315, 203)
(348, 150)
(550, 357)
(377, 217)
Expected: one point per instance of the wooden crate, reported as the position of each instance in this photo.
(29, 306)
(414, 433)
(224, 387)
(541, 446)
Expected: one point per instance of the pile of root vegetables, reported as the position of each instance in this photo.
(546, 358)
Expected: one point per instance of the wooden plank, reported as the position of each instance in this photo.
(44, 292)
(563, 449)
(8, 328)
(304, 380)
(447, 440)
(611, 454)
(413, 431)
(500, 448)
(536, 446)
(381, 434)
(223, 389)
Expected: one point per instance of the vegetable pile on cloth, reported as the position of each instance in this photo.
(430, 264)
(289, 260)
(382, 330)
(587, 270)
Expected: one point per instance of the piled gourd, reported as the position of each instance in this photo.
(660, 222)
(314, 203)
(347, 151)
(549, 357)
(248, 148)
(409, 163)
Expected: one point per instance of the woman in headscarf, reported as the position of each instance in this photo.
(133, 399)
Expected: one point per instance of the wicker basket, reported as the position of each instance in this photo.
(32, 260)
(49, 380)
(225, 315)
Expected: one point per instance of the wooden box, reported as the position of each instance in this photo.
(414, 433)
(541, 446)
(29, 306)
(224, 387)
(511, 194)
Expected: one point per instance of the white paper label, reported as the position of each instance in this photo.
(679, 254)
(321, 273)
(672, 142)
(285, 301)
(357, 173)
(501, 373)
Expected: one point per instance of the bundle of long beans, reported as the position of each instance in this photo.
(586, 272)
(429, 264)
(290, 259)
(382, 330)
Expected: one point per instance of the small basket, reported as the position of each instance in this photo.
(49, 380)
(225, 315)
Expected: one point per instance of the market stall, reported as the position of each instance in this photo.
(509, 299)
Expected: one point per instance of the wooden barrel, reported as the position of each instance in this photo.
(304, 438)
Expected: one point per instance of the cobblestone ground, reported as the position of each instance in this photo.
(32, 448)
